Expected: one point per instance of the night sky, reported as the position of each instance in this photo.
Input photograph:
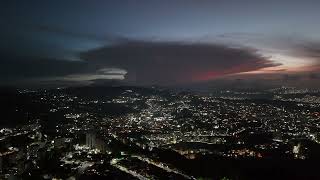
(163, 42)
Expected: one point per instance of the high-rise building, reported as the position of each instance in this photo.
(0, 164)
(95, 143)
(91, 140)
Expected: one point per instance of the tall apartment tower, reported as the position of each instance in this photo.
(91, 140)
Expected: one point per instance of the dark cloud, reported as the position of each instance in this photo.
(308, 49)
(292, 77)
(32, 67)
(314, 76)
(36, 70)
(162, 63)
(176, 62)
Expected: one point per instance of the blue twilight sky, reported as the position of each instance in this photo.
(192, 40)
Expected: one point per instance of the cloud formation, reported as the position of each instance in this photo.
(168, 63)
(140, 63)
(309, 49)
